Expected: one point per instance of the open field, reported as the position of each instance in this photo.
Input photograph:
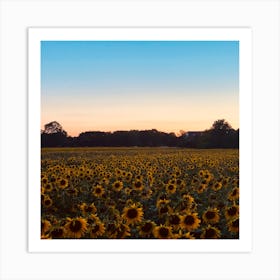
(139, 193)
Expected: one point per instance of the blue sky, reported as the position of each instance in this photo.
(112, 85)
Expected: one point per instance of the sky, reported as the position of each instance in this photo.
(123, 85)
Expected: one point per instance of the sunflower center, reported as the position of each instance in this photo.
(117, 185)
(98, 191)
(210, 215)
(234, 192)
(210, 233)
(138, 184)
(163, 232)
(189, 220)
(170, 187)
(56, 233)
(232, 211)
(132, 213)
(95, 229)
(147, 227)
(47, 202)
(88, 209)
(174, 220)
(62, 182)
(163, 210)
(75, 226)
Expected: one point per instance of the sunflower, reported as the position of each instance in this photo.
(45, 226)
(105, 181)
(117, 185)
(190, 221)
(62, 183)
(57, 233)
(174, 220)
(138, 185)
(234, 194)
(164, 209)
(146, 194)
(162, 202)
(233, 225)
(47, 202)
(93, 219)
(201, 188)
(127, 191)
(170, 188)
(44, 180)
(188, 199)
(217, 186)
(146, 228)
(133, 214)
(97, 230)
(210, 232)
(232, 212)
(88, 209)
(98, 191)
(201, 173)
(122, 231)
(48, 187)
(211, 216)
(76, 227)
(163, 232)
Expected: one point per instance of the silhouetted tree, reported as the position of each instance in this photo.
(220, 135)
(53, 135)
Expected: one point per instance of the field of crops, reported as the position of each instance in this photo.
(139, 193)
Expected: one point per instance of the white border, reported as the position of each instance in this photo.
(262, 16)
(243, 35)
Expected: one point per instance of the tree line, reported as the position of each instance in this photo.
(220, 135)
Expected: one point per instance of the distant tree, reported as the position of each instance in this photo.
(53, 135)
(221, 126)
(53, 127)
(220, 135)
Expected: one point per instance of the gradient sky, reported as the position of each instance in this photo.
(123, 85)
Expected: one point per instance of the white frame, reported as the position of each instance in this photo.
(243, 35)
(262, 16)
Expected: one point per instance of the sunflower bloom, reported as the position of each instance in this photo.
(76, 228)
(133, 214)
(88, 209)
(234, 194)
(138, 185)
(146, 228)
(56, 233)
(97, 230)
(117, 186)
(190, 221)
(163, 232)
(174, 220)
(63, 183)
(45, 226)
(170, 188)
(210, 232)
(233, 225)
(211, 216)
(232, 212)
(98, 191)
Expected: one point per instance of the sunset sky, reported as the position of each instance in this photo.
(124, 85)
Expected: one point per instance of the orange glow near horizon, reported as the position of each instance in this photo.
(165, 115)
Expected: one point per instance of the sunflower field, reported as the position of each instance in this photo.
(139, 193)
